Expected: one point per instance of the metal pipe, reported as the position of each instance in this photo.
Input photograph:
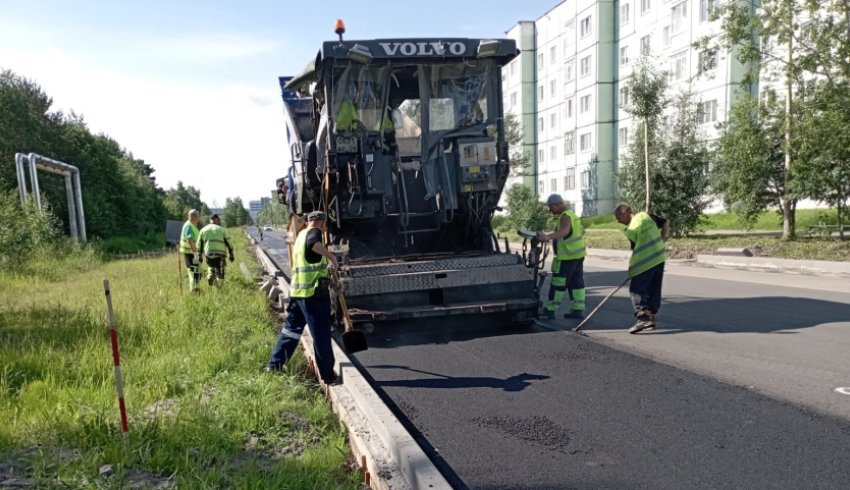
(72, 212)
(34, 179)
(80, 214)
(22, 176)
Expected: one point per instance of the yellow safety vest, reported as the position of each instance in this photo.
(571, 247)
(649, 248)
(189, 231)
(213, 237)
(305, 276)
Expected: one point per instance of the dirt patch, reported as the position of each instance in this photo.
(536, 430)
(161, 408)
(137, 479)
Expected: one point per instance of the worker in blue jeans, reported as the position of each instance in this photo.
(310, 303)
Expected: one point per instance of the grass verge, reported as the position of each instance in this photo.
(687, 248)
(767, 221)
(201, 413)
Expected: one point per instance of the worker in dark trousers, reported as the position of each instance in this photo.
(309, 302)
(214, 246)
(189, 249)
(568, 263)
(646, 265)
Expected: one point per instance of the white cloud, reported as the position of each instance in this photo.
(225, 140)
(213, 47)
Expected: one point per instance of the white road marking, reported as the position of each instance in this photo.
(844, 390)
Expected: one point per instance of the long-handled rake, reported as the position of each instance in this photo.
(599, 306)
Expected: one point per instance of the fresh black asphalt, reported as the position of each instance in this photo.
(532, 408)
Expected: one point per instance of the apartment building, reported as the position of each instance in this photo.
(577, 57)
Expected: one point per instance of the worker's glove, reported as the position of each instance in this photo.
(231, 258)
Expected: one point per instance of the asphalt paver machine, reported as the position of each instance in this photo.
(402, 143)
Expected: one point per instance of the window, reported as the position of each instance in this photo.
(570, 179)
(706, 9)
(552, 88)
(568, 108)
(623, 137)
(540, 189)
(584, 68)
(707, 60)
(644, 45)
(571, 34)
(539, 61)
(513, 98)
(665, 37)
(624, 97)
(584, 142)
(709, 112)
(585, 179)
(569, 143)
(553, 185)
(624, 55)
(679, 66)
(624, 14)
(553, 154)
(570, 70)
(541, 157)
(552, 51)
(584, 104)
(553, 121)
(679, 17)
(540, 124)
(584, 27)
(540, 92)
(645, 5)
(513, 68)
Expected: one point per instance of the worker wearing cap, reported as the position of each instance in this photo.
(568, 263)
(189, 249)
(646, 265)
(213, 244)
(310, 302)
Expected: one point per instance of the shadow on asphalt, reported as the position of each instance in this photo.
(514, 383)
(678, 314)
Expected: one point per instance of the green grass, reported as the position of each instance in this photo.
(802, 248)
(767, 221)
(129, 245)
(221, 423)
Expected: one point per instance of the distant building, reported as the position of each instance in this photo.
(254, 207)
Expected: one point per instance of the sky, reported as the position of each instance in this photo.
(191, 86)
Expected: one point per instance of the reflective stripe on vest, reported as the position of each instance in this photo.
(649, 248)
(305, 276)
(185, 248)
(571, 248)
(213, 237)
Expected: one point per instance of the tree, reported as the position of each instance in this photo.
(679, 159)
(517, 156)
(798, 41)
(524, 210)
(823, 164)
(273, 214)
(234, 213)
(181, 199)
(750, 170)
(647, 87)
(683, 179)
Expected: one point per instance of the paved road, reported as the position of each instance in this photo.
(540, 408)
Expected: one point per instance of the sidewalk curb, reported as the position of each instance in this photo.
(786, 266)
(778, 265)
(385, 451)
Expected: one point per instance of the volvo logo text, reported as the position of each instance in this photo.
(456, 48)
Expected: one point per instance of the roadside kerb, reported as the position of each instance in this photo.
(774, 264)
(386, 452)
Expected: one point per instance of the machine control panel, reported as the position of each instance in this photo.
(477, 165)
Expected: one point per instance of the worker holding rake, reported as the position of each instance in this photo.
(568, 264)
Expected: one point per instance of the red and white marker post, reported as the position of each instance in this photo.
(116, 360)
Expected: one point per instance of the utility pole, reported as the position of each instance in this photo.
(788, 208)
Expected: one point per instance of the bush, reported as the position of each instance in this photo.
(525, 211)
(25, 229)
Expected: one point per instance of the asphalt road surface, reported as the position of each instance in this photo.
(737, 389)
